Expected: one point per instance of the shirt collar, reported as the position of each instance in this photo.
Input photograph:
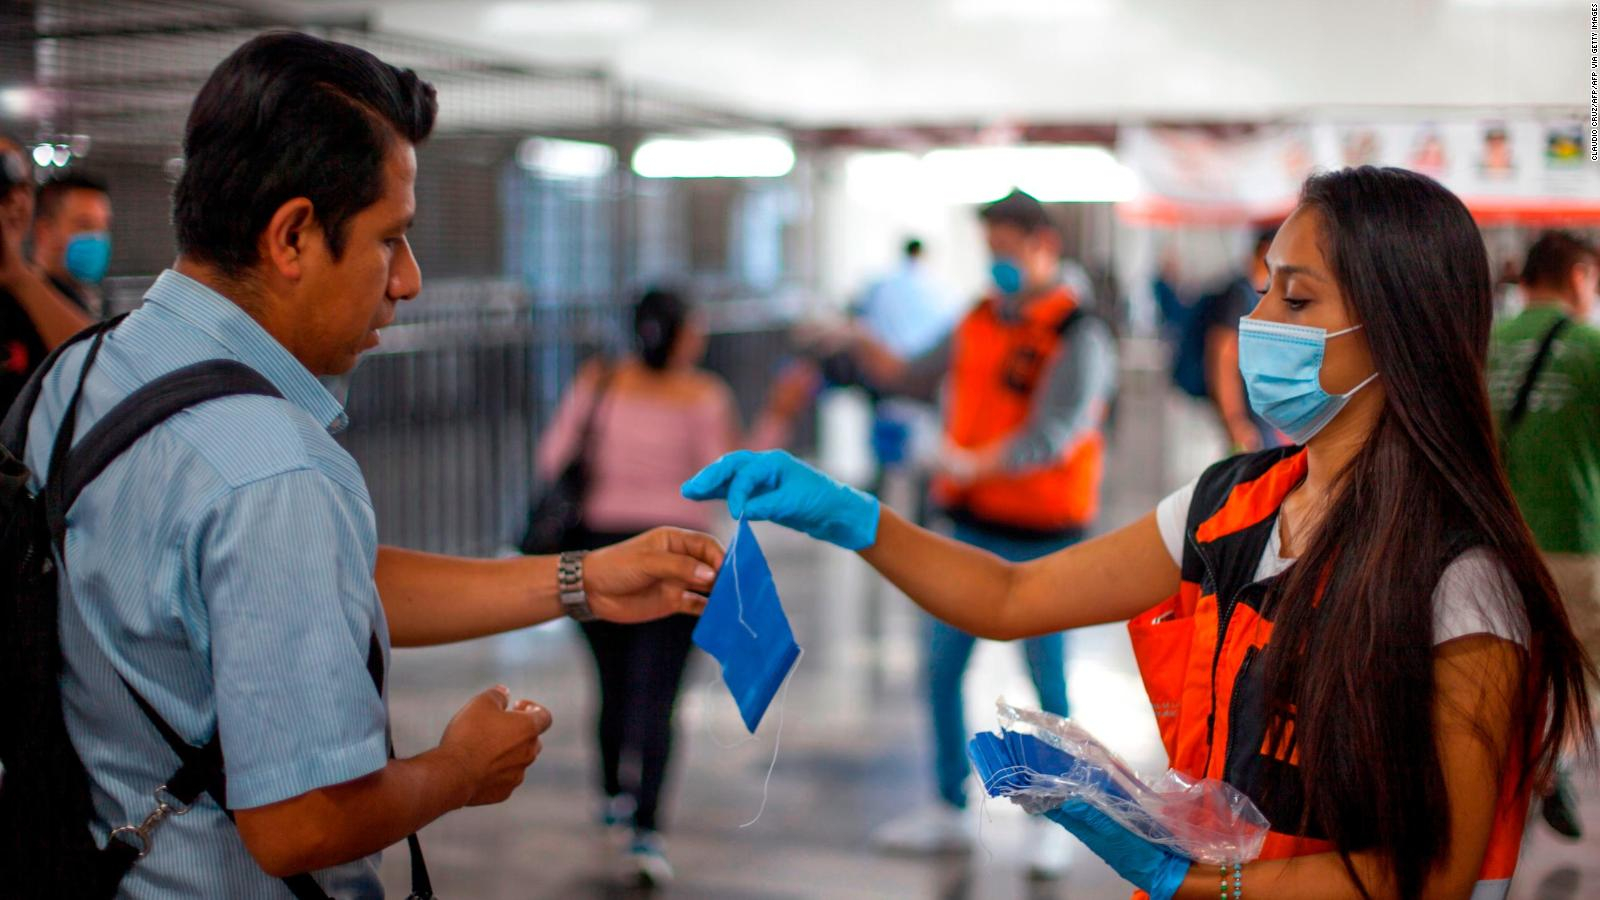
(204, 309)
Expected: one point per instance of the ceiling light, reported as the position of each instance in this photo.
(556, 158)
(726, 156)
(17, 102)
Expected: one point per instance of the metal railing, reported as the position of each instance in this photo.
(445, 416)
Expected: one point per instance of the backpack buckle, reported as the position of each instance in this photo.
(142, 835)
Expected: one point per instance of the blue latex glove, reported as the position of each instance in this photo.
(775, 487)
(1152, 868)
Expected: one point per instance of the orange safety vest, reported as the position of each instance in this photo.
(995, 367)
(1195, 651)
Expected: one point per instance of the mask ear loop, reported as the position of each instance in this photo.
(738, 594)
(1370, 378)
(1352, 392)
(783, 703)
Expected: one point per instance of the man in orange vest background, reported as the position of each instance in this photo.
(1027, 379)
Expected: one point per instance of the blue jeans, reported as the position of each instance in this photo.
(949, 648)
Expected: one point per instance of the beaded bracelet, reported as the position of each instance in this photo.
(1238, 883)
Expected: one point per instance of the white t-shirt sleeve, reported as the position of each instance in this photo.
(1172, 516)
(1476, 595)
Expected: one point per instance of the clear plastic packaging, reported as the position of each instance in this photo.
(1040, 761)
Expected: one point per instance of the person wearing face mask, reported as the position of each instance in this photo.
(1355, 631)
(1027, 376)
(1544, 384)
(35, 316)
(72, 236)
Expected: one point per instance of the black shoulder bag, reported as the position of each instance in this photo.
(557, 511)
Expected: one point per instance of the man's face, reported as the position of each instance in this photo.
(79, 211)
(338, 305)
(1036, 253)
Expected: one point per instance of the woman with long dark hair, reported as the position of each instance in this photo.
(1355, 631)
(652, 419)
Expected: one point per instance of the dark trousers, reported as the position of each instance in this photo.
(641, 668)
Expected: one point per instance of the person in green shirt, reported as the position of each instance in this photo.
(1544, 385)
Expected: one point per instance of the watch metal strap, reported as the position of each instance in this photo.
(569, 577)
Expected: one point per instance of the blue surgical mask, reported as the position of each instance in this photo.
(744, 627)
(1282, 368)
(88, 256)
(1007, 275)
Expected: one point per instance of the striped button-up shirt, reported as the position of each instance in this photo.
(224, 567)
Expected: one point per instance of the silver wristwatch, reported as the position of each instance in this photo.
(569, 580)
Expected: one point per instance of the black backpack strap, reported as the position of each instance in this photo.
(129, 420)
(14, 430)
(421, 883)
(202, 771)
(1519, 408)
(73, 467)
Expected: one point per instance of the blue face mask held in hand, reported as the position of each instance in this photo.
(744, 627)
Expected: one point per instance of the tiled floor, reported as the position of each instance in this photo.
(853, 752)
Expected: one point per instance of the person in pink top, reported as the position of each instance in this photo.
(658, 418)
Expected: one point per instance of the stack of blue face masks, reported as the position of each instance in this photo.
(744, 627)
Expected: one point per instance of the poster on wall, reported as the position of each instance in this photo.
(1506, 169)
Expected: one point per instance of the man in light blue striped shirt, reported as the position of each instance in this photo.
(227, 566)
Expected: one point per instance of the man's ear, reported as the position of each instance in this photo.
(283, 242)
(1580, 278)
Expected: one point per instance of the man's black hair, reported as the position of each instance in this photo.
(289, 115)
(1552, 257)
(913, 248)
(53, 193)
(1019, 209)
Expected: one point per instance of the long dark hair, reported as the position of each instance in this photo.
(658, 318)
(1426, 486)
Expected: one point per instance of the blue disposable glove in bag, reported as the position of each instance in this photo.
(1009, 763)
(1150, 867)
(1051, 765)
(775, 487)
(744, 627)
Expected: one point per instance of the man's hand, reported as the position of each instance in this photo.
(965, 466)
(481, 759)
(13, 225)
(494, 743)
(658, 573)
(54, 316)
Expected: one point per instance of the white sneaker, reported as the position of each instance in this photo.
(1049, 849)
(935, 828)
(647, 860)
